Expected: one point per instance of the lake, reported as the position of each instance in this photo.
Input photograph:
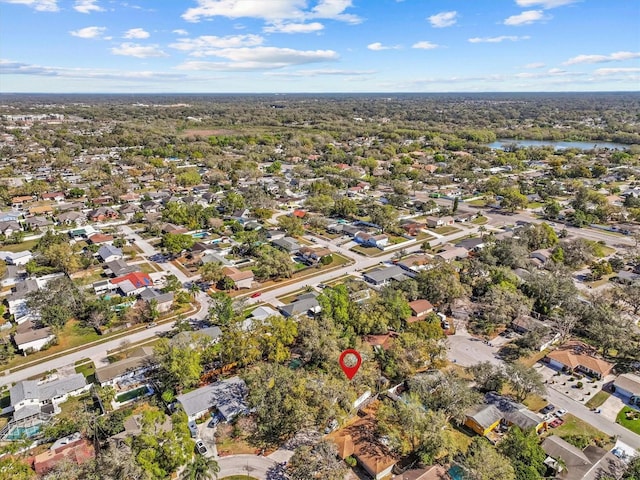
(558, 145)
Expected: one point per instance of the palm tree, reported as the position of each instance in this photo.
(482, 229)
(201, 468)
(193, 290)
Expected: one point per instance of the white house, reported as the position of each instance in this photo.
(30, 397)
(627, 386)
(109, 253)
(33, 340)
(18, 258)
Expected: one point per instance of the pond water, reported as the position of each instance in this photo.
(558, 145)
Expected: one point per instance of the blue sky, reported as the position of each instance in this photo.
(319, 45)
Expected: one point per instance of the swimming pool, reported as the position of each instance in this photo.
(199, 235)
(18, 432)
(456, 473)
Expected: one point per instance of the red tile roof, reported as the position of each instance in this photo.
(138, 279)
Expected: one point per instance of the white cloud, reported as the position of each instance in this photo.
(525, 18)
(502, 38)
(138, 51)
(16, 68)
(294, 27)
(615, 71)
(207, 45)
(546, 4)
(443, 19)
(87, 6)
(613, 57)
(38, 5)
(180, 31)
(88, 32)
(272, 11)
(552, 72)
(425, 45)
(320, 72)
(535, 65)
(138, 33)
(377, 46)
(261, 58)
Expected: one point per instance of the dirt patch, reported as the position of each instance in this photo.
(192, 133)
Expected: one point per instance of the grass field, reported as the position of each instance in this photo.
(20, 247)
(447, 230)
(367, 251)
(597, 400)
(573, 426)
(633, 422)
(88, 370)
(480, 220)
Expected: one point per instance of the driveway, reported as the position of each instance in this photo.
(611, 407)
(262, 468)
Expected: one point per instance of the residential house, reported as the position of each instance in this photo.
(164, 301)
(541, 256)
(303, 304)
(129, 210)
(449, 252)
(471, 244)
(103, 286)
(108, 253)
(242, 216)
(213, 257)
(30, 397)
(578, 357)
(514, 413)
(434, 222)
(627, 277)
(19, 201)
(57, 197)
(414, 264)
(72, 448)
(102, 214)
(118, 268)
(287, 244)
(627, 386)
(525, 324)
(17, 258)
(71, 218)
(100, 238)
(124, 372)
(419, 309)
(571, 463)
(361, 441)
(133, 283)
(8, 227)
(432, 472)
(368, 240)
(11, 216)
(174, 229)
(463, 216)
(382, 341)
(483, 419)
(275, 235)
(32, 340)
(241, 279)
(413, 228)
(37, 223)
(11, 276)
(382, 276)
(210, 335)
(227, 396)
(312, 255)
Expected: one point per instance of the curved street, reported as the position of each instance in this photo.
(262, 468)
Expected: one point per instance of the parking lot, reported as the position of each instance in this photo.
(563, 383)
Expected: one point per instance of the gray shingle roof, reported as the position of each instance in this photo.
(29, 389)
(228, 396)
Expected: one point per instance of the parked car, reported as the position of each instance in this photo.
(193, 429)
(560, 413)
(255, 295)
(548, 409)
(201, 447)
(556, 423)
(152, 324)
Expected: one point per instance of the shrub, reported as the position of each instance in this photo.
(579, 385)
(351, 461)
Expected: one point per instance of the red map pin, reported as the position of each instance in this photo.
(350, 361)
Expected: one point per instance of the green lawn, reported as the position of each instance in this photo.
(573, 426)
(20, 247)
(597, 400)
(367, 251)
(632, 422)
(239, 477)
(480, 220)
(447, 230)
(88, 370)
(5, 399)
(477, 203)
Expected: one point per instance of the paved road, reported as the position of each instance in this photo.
(263, 468)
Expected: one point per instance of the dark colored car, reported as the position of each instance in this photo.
(548, 409)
